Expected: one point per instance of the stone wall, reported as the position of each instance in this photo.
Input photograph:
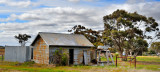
(41, 52)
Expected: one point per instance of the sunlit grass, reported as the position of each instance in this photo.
(144, 64)
(103, 58)
(149, 58)
(68, 69)
(0, 57)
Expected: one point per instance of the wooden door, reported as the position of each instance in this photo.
(85, 57)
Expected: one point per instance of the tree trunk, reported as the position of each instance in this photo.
(23, 44)
(126, 54)
(120, 53)
(130, 53)
(142, 52)
(135, 54)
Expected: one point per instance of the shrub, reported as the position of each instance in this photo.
(145, 54)
(112, 50)
(57, 57)
(152, 52)
(64, 59)
(60, 59)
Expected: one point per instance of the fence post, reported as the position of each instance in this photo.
(135, 61)
(2, 57)
(116, 61)
(130, 61)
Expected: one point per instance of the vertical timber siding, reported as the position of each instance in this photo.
(41, 52)
(78, 55)
(17, 53)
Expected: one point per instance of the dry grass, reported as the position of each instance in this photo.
(143, 65)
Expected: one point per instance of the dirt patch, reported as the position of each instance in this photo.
(10, 70)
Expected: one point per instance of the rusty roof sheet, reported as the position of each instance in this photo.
(59, 39)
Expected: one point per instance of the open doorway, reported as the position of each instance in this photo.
(71, 56)
(31, 53)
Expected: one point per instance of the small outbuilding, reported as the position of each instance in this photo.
(76, 46)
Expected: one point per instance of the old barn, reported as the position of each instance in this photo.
(76, 46)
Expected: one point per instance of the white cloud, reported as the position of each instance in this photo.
(80, 0)
(135, 1)
(50, 20)
(144, 8)
(17, 4)
(74, 0)
(60, 19)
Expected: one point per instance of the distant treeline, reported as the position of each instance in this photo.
(2, 47)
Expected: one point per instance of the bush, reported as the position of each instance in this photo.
(151, 52)
(64, 59)
(60, 59)
(145, 54)
(112, 50)
(57, 57)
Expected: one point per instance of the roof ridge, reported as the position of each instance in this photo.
(58, 33)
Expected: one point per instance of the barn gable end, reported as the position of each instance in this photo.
(40, 51)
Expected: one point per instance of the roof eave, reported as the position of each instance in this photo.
(34, 40)
(71, 46)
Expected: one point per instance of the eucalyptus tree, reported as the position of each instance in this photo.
(139, 45)
(156, 47)
(22, 38)
(92, 35)
(123, 27)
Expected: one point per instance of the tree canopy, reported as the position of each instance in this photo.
(122, 28)
(92, 35)
(155, 46)
(22, 38)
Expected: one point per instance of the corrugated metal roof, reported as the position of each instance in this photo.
(58, 39)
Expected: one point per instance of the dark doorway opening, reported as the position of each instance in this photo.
(71, 56)
(31, 53)
(83, 60)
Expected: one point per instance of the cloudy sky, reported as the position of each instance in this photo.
(33, 16)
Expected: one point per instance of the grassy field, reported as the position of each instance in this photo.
(1, 57)
(149, 62)
(144, 64)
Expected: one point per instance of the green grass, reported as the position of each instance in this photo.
(149, 62)
(145, 63)
(66, 68)
(35, 69)
(1, 57)
(105, 59)
(149, 58)
(149, 67)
